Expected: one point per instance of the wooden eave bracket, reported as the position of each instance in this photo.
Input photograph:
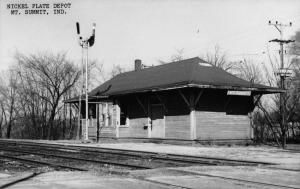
(141, 104)
(257, 99)
(193, 102)
(161, 100)
(184, 98)
(198, 97)
(75, 104)
(227, 102)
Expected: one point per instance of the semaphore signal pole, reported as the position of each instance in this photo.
(85, 44)
(283, 73)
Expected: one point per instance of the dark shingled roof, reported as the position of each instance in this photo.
(185, 73)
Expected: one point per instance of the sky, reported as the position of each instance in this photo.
(150, 30)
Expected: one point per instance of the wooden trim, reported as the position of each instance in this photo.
(118, 117)
(257, 100)
(105, 112)
(184, 98)
(179, 139)
(141, 104)
(180, 86)
(162, 102)
(95, 102)
(164, 126)
(76, 106)
(198, 97)
(127, 121)
(192, 100)
(227, 102)
(149, 123)
(193, 124)
(251, 134)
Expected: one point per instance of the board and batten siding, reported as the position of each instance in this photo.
(177, 127)
(219, 125)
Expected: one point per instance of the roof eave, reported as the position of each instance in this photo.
(204, 86)
(76, 99)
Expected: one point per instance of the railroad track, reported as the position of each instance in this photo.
(66, 153)
(197, 174)
(139, 154)
(60, 151)
(38, 162)
(77, 158)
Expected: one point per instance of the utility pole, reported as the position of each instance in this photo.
(283, 73)
(85, 44)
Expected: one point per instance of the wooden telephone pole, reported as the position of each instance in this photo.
(283, 73)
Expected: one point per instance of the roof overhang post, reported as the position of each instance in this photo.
(118, 116)
(193, 124)
(149, 128)
(193, 115)
(191, 103)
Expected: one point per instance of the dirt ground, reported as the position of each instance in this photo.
(230, 177)
(284, 158)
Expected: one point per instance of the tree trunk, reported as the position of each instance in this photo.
(64, 122)
(50, 125)
(8, 130)
(1, 126)
(78, 133)
(283, 139)
(70, 122)
(293, 130)
(98, 122)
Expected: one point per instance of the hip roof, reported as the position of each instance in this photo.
(193, 72)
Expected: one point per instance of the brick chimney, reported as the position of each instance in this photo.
(137, 64)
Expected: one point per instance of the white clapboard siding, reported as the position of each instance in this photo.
(135, 128)
(177, 127)
(218, 125)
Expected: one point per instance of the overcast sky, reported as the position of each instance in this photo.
(150, 30)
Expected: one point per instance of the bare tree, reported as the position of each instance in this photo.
(1, 117)
(248, 70)
(178, 55)
(218, 58)
(116, 69)
(53, 76)
(295, 47)
(267, 118)
(9, 102)
(261, 123)
(270, 107)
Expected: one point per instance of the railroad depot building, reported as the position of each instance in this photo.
(184, 100)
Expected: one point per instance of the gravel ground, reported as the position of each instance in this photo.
(190, 177)
(285, 158)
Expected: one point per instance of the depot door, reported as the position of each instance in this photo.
(158, 122)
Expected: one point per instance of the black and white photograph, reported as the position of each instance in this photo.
(156, 94)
